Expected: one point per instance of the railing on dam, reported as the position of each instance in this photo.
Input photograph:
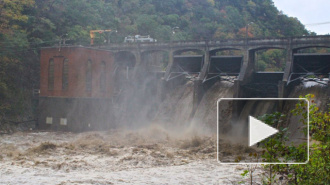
(283, 42)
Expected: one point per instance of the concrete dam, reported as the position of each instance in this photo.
(176, 83)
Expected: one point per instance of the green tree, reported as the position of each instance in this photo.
(317, 170)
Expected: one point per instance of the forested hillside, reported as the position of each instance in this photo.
(30, 24)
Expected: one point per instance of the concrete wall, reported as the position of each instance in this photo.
(75, 114)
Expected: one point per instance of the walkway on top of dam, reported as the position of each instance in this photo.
(239, 44)
(247, 45)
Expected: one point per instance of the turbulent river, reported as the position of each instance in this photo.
(171, 147)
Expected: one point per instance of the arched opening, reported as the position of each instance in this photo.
(124, 64)
(268, 65)
(270, 60)
(123, 70)
(65, 74)
(103, 77)
(51, 74)
(313, 49)
(187, 63)
(226, 52)
(310, 66)
(89, 75)
(155, 61)
(225, 64)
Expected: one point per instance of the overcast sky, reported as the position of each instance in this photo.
(308, 12)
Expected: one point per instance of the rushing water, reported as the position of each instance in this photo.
(153, 154)
(140, 105)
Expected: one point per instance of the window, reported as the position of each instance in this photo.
(102, 77)
(51, 74)
(65, 74)
(63, 121)
(49, 120)
(89, 76)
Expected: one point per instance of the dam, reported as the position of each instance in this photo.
(95, 88)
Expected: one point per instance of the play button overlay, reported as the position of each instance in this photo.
(259, 131)
(262, 130)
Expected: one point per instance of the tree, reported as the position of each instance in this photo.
(317, 170)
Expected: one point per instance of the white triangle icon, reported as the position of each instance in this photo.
(259, 131)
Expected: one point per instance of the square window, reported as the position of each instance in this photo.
(63, 121)
(49, 120)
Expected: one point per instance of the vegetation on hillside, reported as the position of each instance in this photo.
(27, 25)
(195, 19)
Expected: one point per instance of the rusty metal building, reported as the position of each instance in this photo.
(75, 89)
